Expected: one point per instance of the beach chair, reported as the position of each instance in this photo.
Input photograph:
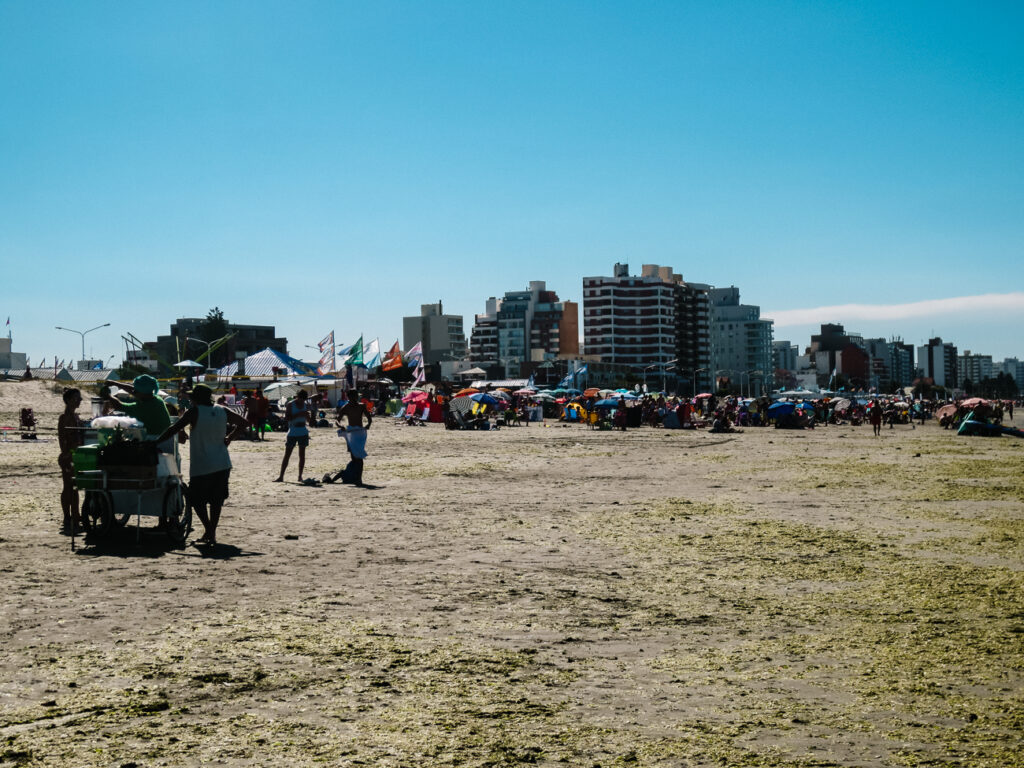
(28, 424)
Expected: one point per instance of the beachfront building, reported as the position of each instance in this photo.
(1012, 367)
(11, 360)
(693, 335)
(653, 321)
(483, 341)
(741, 342)
(938, 361)
(825, 351)
(532, 325)
(185, 340)
(784, 355)
(974, 368)
(902, 356)
(441, 335)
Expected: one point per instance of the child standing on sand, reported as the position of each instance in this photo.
(69, 437)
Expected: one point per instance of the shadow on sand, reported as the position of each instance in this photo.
(152, 543)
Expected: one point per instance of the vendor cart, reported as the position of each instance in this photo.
(147, 483)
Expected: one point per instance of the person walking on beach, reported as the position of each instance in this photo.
(69, 437)
(209, 462)
(355, 436)
(875, 416)
(298, 416)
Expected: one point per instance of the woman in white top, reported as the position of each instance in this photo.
(297, 414)
(209, 462)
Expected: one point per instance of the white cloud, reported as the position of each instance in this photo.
(1001, 304)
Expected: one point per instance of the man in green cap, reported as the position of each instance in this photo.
(147, 408)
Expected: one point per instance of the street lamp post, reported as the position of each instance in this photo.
(646, 369)
(664, 368)
(192, 338)
(82, 334)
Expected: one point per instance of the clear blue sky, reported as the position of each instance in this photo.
(334, 165)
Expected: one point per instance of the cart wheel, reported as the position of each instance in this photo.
(177, 514)
(98, 511)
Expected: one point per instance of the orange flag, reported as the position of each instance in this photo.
(393, 359)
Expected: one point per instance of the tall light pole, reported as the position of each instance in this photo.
(646, 369)
(193, 338)
(81, 333)
(664, 367)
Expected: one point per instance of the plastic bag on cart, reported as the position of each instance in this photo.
(129, 427)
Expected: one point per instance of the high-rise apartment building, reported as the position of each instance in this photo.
(784, 354)
(653, 320)
(530, 325)
(441, 335)
(741, 341)
(483, 341)
(1013, 367)
(938, 362)
(973, 368)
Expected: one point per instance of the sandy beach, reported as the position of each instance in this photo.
(542, 595)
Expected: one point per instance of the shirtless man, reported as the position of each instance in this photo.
(355, 435)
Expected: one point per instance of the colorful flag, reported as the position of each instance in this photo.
(393, 359)
(326, 363)
(581, 371)
(371, 355)
(353, 354)
(415, 353)
(564, 383)
(421, 374)
(328, 341)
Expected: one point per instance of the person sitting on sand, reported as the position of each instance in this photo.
(721, 423)
(355, 436)
(69, 437)
(209, 462)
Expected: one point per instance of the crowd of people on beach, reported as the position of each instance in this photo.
(214, 420)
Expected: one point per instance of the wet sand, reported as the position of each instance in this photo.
(536, 595)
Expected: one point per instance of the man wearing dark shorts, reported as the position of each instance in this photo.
(209, 462)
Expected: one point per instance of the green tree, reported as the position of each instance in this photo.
(214, 326)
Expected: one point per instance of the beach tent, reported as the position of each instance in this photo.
(780, 408)
(461, 405)
(265, 361)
